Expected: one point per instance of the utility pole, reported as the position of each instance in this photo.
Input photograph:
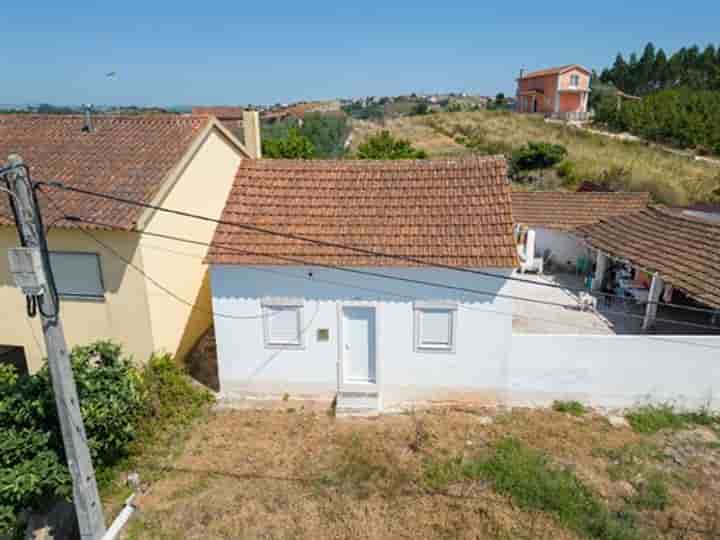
(88, 507)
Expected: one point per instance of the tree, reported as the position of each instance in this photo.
(500, 100)
(536, 156)
(421, 109)
(385, 146)
(293, 146)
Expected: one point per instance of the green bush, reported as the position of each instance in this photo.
(537, 156)
(293, 146)
(120, 404)
(652, 418)
(571, 407)
(385, 146)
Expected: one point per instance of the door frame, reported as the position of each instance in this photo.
(357, 386)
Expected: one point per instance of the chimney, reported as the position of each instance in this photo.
(251, 129)
(522, 72)
(87, 126)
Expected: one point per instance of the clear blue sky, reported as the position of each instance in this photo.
(236, 52)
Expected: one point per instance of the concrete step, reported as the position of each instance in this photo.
(351, 403)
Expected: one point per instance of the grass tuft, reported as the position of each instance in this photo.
(574, 408)
(652, 418)
(652, 494)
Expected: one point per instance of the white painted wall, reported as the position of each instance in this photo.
(484, 328)
(490, 364)
(564, 246)
(615, 371)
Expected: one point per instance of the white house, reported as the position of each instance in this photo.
(331, 318)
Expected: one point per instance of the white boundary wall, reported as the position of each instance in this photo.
(615, 371)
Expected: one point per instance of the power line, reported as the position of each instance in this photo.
(233, 249)
(337, 245)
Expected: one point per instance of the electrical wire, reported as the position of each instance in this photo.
(337, 245)
(232, 249)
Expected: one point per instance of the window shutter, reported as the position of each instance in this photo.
(284, 325)
(436, 327)
(77, 274)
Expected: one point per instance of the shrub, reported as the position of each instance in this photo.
(120, 404)
(385, 146)
(293, 146)
(537, 156)
(571, 407)
(652, 418)
(567, 170)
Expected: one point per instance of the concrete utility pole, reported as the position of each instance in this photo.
(88, 507)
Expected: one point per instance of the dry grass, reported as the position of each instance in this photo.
(277, 474)
(671, 179)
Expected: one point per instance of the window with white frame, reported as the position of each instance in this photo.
(435, 326)
(574, 81)
(77, 275)
(282, 323)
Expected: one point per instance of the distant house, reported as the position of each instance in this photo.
(561, 91)
(100, 262)
(324, 321)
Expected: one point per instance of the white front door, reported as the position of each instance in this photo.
(358, 347)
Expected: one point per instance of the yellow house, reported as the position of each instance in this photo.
(116, 281)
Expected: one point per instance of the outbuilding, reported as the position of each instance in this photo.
(338, 279)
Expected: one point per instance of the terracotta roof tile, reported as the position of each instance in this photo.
(552, 71)
(448, 212)
(566, 210)
(129, 156)
(685, 251)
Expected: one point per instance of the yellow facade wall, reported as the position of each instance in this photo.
(123, 316)
(202, 188)
(135, 312)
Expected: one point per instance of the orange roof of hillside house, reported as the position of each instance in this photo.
(565, 211)
(127, 156)
(444, 212)
(553, 71)
(222, 113)
(684, 250)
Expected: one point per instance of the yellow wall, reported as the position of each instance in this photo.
(135, 313)
(123, 316)
(202, 188)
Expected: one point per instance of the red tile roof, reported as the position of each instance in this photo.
(685, 251)
(552, 71)
(567, 210)
(446, 212)
(129, 156)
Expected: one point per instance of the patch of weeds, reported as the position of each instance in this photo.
(366, 468)
(652, 418)
(574, 408)
(285, 396)
(652, 494)
(438, 474)
(626, 462)
(421, 436)
(528, 477)
(332, 411)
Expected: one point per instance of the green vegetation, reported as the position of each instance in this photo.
(628, 461)
(527, 476)
(292, 146)
(385, 146)
(122, 405)
(689, 67)
(680, 117)
(571, 407)
(319, 135)
(536, 156)
(652, 494)
(653, 418)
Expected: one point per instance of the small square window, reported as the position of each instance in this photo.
(77, 275)
(282, 324)
(435, 326)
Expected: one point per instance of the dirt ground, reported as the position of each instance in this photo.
(301, 473)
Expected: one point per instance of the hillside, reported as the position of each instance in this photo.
(634, 165)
